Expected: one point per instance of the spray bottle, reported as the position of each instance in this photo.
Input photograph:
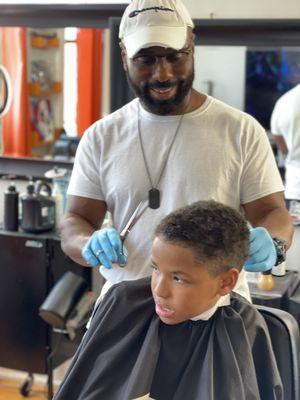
(59, 205)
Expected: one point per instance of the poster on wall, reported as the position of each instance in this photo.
(42, 120)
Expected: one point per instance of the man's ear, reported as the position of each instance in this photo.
(192, 41)
(124, 59)
(228, 281)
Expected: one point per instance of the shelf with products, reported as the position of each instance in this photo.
(45, 62)
(36, 89)
(36, 138)
(42, 41)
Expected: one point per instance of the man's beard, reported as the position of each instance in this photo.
(162, 107)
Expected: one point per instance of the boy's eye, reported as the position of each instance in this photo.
(154, 268)
(175, 278)
(178, 280)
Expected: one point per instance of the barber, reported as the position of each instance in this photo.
(170, 146)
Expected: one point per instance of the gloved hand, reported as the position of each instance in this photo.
(104, 247)
(263, 254)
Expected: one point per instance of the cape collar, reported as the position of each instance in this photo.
(223, 301)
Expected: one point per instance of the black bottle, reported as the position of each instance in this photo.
(11, 208)
(38, 211)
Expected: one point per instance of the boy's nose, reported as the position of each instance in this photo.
(161, 288)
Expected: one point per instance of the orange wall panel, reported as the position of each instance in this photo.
(16, 123)
(89, 45)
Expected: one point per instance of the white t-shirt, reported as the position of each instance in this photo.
(220, 153)
(285, 121)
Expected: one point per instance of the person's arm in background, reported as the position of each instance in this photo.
(268, 212)
(281, 144)
(277, 124)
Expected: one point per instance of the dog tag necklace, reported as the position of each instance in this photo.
(154, 193)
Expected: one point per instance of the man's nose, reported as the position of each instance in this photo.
(161, 287)
(162, 70)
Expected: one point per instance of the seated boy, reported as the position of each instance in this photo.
(181, 334)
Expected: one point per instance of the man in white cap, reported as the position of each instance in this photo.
(169, 147)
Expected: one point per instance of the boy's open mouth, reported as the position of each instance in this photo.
(163, 312)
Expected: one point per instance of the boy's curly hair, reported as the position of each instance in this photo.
(218, 234)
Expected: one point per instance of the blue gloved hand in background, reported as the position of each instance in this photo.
(104, 247)
(262, 256)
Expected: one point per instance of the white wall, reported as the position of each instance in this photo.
(243, 9)
(225, 67)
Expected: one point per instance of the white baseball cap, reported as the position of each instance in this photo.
(147, 23)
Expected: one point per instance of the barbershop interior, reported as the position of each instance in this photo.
(149, 200)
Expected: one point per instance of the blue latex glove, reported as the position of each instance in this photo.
(263, 254)
(104, 247)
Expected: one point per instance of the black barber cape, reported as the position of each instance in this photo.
(128, 353)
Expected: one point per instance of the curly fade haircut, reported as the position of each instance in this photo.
(218, 234)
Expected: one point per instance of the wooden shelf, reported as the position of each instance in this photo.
(31, 166)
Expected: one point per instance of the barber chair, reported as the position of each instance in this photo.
(284, 333)
(67, 309)
(69, 305)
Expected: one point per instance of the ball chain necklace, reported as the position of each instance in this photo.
(154, 192)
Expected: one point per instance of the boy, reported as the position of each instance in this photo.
(191, 338)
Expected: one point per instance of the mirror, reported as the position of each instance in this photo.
(57, 86)
(55, 112)
(251, 78)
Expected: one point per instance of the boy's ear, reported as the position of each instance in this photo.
(228, 281)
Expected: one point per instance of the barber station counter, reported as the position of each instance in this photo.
(30, 266)
(286, 293)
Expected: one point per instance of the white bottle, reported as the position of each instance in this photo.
(280, 269)
(59, 207)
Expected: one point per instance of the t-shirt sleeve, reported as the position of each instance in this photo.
(85, 179)
(275, 126)
(260, 176)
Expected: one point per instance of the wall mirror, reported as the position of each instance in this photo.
(65, 86)
(59, 86)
